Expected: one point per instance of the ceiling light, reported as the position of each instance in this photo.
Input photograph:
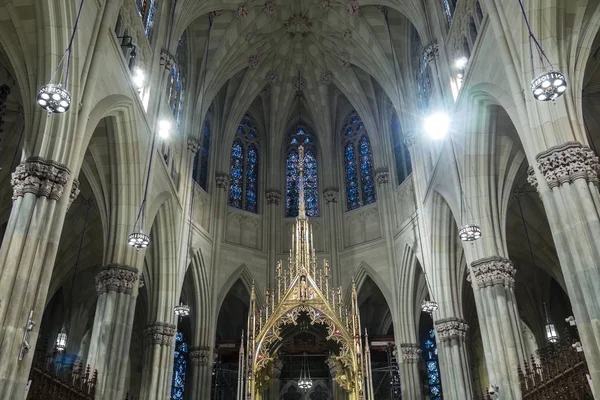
(549, 86)
(461, 63)
(164, 129)
(437, 125)
(429, 306)
(54, 99)
(469, 233)
(182, 310)
(138, 240)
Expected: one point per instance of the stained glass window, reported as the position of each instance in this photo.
(358, 164)
(176, 87)
(147, 10)
(430, 353)
(200, 166)
(449, 6)
(179, 367)
(401, 152)
(301, 135)
(244, 162)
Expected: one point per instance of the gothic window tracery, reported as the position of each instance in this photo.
(301, 136)
(201, 159)
(244, 162)
(449, 6)
(147, 11)
(430, 354)
(358, 163)
(179, 367)
(177, 79)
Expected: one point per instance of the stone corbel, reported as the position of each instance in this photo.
(273, 197)
(74, 192)
(193, 146)
(431, 51)
(222, 180)
(382, 176)
(331, 195)
(166, 60)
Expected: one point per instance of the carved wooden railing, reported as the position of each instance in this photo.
(558, 373)
(49, 382)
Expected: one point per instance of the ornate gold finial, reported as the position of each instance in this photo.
(301, 205)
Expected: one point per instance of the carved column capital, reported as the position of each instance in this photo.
(222, 180)
(531, 179)
(166, 60)
(493, 271)
(41, 177)
(74, 192)
(431, 51)
(116, 278)
(382, 176)
(273, 196)
(331, 195)
(193, 146)
(568, 162)
(410, 138)
(161, 333)
(199, 355)
(411, 353)
(451, 328)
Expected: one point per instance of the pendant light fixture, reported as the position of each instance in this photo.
(468, 232)
(54, 96)
(62, 337)
(551, 333)
(551, 83)
(305, 382)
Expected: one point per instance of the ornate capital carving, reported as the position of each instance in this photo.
(161, 333)
(451, 328)
(382, 175)
(74, 192)
(166, 60)
(411, 353)
(493, 271)
(273, 197)
(193, 146)
(330, 195)
(431, 51)
(199, 356)
(116, 278)
(327, 78)
(41, 177)
(410, 138)
(531, 179)
(222, 180)
(568, 162)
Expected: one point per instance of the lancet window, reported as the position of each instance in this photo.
(179, 367)
(422, 69)
(243, 191)
(201, 159)
(176, 87)
(358, 163)
(147, 12)
(301, 135)
(430, 353)
(449, 6)
(401, 152)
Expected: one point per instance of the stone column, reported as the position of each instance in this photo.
(572, 203)
(409, 370)
(200, 372)
(493, 283)
(451, 336)
(26, 263)
(273, 212)
(111, 334)
(330, 195)
(158, 361)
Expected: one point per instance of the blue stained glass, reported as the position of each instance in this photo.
(349, 131)
(352, 191)
(237, 174)
(179, 367)
(252, 179)
(204, 153)
(366, 171)
(432, 366)
(448, 10)
(291, 184)
(311, 183)
(149, 23)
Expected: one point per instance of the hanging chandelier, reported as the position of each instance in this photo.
(61, 340)
(138, 240)
(182, 310)
(54, 96)
(429, 306)
(469, 233)
(305, 382)
(551, 83)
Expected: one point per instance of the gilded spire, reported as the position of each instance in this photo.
(301, 205)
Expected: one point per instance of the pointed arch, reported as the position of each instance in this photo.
(243, 167)
(301, 135)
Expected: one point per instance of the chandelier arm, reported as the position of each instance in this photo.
(538, 45)
(71, 40)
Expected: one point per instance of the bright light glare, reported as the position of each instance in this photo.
(461, 63)
(138, 78)
(164, 129)
(437, 125)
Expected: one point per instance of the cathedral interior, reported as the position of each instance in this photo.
(299, 199)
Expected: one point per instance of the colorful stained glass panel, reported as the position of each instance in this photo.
(237, 174)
